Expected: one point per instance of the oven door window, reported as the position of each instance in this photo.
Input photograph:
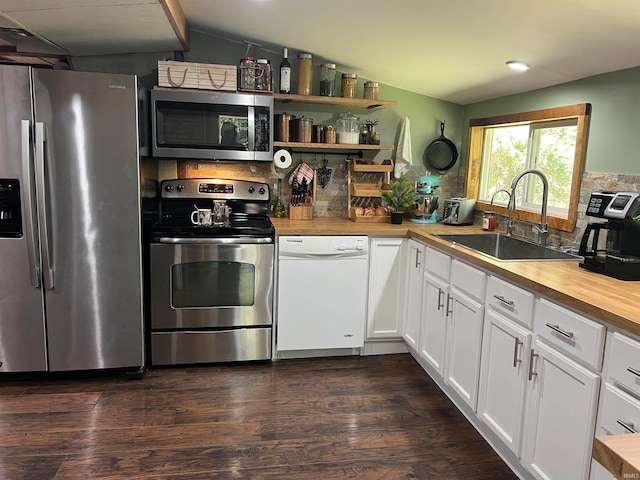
(212, 284)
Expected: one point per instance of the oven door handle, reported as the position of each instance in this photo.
(216, 241)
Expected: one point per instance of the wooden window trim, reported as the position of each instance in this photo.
(581, 112)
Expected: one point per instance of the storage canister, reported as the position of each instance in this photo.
(489, 221)
(329, 134)
(349, 82)
(304, 126)
(318, 134)
(328, 79)
(305, 73)
(348, 129)
(284, 127)
(246, 74)
(263, 75)
(371, 91)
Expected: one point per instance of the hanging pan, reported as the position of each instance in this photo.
(441, 154)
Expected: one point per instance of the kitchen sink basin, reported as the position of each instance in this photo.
(503, 247)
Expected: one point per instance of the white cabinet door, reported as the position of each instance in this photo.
(413, 299)
(464, 337)
(503, 378)
(386, 287)
(560, 416)
(433, 322)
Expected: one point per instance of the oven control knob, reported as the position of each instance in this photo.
(261, 191)
(180, 187)
(168, 188)
(251, 189)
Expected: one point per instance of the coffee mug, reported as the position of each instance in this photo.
(201, 216)
(221, 213)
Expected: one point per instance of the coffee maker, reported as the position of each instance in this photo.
(621, 256)
(425, 209)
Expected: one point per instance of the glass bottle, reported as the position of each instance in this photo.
(285, 73)
(278, 206)
(328, 79)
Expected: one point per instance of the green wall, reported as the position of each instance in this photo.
(614, 132)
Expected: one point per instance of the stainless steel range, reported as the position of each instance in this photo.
(211, 272)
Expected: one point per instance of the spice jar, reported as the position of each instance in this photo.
(348, 129)
(305, 73)
(371, 91)
(349, 82)
(328, 79)
(489, 221)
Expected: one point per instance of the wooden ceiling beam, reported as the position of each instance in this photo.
(178, 21)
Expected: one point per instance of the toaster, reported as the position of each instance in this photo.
(459, 211)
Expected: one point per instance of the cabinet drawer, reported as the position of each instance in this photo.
(623, 366)
(619, 412)
(511, 301)
(437, 263)
(468, 279)
(579, 337)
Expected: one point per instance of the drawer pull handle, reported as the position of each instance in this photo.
(516, 360)
(504, 301)
(531, 372)
(634, 371)
(418, 252)
(449, 302)
(440, 299)
(557, 329)
(627, 426)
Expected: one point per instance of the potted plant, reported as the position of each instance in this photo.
(400, 196)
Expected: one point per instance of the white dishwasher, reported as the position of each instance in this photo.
(322, 292)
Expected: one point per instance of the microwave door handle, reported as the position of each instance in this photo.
(30, 220)
(251, 127)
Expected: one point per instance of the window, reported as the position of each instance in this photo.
(552, 141)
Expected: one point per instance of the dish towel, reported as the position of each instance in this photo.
(403, 150)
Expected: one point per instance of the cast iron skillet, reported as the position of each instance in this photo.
(441, 153)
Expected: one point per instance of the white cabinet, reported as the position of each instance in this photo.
(386, 288)
(562, 394)
(433, 323)
(619, 410)
(503, 378)
(464, 330)
(413, 298)
(505, 360)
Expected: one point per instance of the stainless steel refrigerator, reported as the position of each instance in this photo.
(70, 249)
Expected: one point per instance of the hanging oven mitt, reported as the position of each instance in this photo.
(302, 171)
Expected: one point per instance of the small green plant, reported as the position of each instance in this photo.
(400, 195)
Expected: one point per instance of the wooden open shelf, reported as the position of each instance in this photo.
(339, 101)
(331, 146)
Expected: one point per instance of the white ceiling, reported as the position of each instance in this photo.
(454, 50)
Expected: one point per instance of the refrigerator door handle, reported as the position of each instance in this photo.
(30, 220)
(42, 204)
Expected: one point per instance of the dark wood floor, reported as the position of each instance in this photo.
(375, 417)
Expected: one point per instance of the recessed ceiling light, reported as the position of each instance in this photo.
(516, 65)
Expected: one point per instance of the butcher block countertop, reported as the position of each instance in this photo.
(620, 454)
(613, 301)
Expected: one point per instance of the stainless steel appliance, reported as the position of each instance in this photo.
(70, 246)
(425, 209)
(621, 256)
(211, 286)
(458, 211)
(211, 125)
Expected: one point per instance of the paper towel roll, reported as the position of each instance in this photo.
(282, 158)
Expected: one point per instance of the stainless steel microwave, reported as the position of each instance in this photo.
(211, 125)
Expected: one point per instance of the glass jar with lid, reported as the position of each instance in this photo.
(371, 91)
(328, 79)
(305, 73)
(489, 221)
(348, 129)
(246, 74)
(349, 82)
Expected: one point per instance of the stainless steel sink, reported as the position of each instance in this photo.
(503, 247)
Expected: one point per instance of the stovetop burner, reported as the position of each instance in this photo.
(238, 226)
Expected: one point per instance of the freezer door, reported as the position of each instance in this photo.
(89, 216)
(22, 338)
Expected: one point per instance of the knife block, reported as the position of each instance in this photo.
(304, 211)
